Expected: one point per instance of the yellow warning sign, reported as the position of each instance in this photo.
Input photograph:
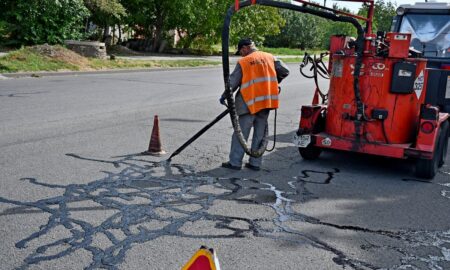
(204, 259)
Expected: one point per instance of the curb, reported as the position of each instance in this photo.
(81, 73)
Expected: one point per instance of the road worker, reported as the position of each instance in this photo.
(257, 75)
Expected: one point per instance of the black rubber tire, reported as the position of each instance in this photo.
(310, 152)
(445, 137)
(427, 168)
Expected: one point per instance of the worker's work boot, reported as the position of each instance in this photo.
(252, 167)
(229, 166)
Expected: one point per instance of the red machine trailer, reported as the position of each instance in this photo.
(378, 101)
(397, 118)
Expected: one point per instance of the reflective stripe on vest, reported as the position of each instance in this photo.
(259, 85)
(261, 98)
(257, 80)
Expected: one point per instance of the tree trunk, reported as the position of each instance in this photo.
(158, 29)
(120, 33)
(105, 32)
(113, 34)
(157, 37)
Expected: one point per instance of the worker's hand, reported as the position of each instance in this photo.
(222, 100)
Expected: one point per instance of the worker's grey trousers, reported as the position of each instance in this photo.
(259, 122)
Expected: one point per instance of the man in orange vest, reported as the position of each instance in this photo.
(257, 75)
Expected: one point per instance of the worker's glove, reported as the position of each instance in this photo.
(222, 100)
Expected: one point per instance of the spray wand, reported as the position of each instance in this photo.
(198, 134)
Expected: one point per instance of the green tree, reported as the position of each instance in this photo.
(199, 22)
(5, 27)
(256, 22)
(44, 21)
(383, 13)
(331, 28)
(306, 31)
(105, 12)
(151, 17)
(301, 31)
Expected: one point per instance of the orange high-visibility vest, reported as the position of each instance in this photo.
(259, 86)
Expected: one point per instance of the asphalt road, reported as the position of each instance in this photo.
(74, 193)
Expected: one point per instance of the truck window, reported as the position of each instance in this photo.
(430, 33)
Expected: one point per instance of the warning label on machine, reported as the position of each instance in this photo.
(418, 84)
(336, 70)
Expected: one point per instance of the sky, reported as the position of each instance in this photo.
(354, 7)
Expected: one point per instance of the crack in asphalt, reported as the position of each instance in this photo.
(150, 200)
(20, 95)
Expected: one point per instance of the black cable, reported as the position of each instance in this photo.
(317, 64)
(318, 68)
(306, 60)
(274, 132)
(384, 131)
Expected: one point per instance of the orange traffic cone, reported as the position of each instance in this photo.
(154, 147)
(316, 97)
(204, 259)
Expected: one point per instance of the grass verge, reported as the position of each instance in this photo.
(26, 59)
(291, 59)
(98, 64)
(290, 51)
(56, 58)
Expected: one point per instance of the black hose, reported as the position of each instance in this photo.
(384, 131)
(359, 43)
(226, 63)
(307, 59)
(317, 68)
(229, 92)
(274, 132)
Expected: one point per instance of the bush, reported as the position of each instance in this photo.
(44, 21)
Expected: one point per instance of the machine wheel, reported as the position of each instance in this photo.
(445, 137)
(427, 168)
(310, 152)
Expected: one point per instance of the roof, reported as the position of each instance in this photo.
(428, 5)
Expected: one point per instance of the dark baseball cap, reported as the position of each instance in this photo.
(243, 42)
